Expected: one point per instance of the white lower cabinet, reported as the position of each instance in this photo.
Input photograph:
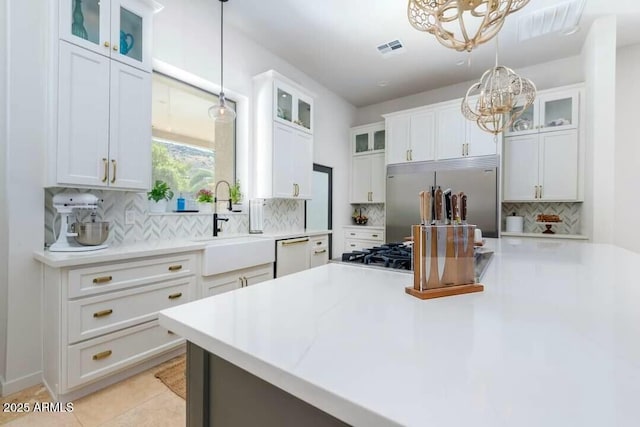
(225, 282)
(101, 320)
(318, 251)
(358, 238)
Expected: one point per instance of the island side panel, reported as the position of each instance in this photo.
(222, 394)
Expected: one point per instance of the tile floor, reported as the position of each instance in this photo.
(141, 400)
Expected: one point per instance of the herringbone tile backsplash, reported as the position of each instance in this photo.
(375, 213)
(281, 215)
(569, 214)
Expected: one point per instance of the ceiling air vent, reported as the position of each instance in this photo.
(391, 48)
(560, 18)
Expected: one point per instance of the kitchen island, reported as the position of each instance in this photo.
(553, 340)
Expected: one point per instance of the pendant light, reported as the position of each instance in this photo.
(498, 99)
(222, 113)
(461, 24)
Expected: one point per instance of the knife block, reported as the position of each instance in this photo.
(443, 261)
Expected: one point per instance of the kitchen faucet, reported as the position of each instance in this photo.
(216, 230)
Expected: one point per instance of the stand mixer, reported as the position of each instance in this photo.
(65, 204)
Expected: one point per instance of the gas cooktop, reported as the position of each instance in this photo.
(398, 256)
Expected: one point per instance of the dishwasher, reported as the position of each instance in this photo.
(292, 255)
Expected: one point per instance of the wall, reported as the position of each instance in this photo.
(599, 59)
(627, 149)
(4, 232)
(26, 60)
(281, 215)
(545, 76)
(194, 24)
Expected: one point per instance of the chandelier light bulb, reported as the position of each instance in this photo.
(461, 24)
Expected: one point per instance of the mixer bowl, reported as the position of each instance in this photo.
(91, 233)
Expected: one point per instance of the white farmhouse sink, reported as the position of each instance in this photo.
(224, 254)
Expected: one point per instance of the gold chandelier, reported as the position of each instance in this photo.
(502, 97)
(461, 24)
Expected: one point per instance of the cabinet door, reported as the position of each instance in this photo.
(559, 165)
(302, 164)
(360, 179)
(521, 156)
(423, 137)
(378, 178)
(378, 138)
(221, 283)
(398, 134)
(130, 136)
(304, 112)
(451, 132)
(86, 23)
(283, 103)
(526, 123)
(283, 145)
(481, 143)
(558, 111)
(131, 33)
(361, 141)
(256, 275)
(83, 117)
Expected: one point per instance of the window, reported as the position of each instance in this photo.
(189, 150)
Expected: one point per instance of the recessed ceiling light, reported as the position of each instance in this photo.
(383, 83)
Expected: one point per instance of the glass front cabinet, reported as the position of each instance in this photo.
(119, 29)
(551, 111)
(293, 107)
(368, 139)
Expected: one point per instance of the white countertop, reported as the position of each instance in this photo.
(554, 340)
(119, 252)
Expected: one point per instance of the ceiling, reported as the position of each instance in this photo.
(334, 42)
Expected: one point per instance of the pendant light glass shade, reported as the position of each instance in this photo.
(222, 113)
(461, 24)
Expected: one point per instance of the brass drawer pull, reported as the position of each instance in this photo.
(115, 165)
(374, 235)
(175, 267)
(171, 332)
(321, 251)
(318, 243)
(102, 313)
(175, 296)
(102, 355)
(106, 170)
(295, 242)
(103, 279)
(352, 234)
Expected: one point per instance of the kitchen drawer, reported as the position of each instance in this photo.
(101, 314)
(358, 245)
(111, 277)
(94, 359)
(319, 241)
(353, 234)
(318, 256)
(225, 282)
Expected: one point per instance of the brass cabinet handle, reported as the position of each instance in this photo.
(175, 267)
(406, 155)
(411, 154)
(171, 332)
(115, 47)
(102, 355)
(106, 170)
(540, 191)
(353, 234)
(102, 313)
(352, 245)
(175, 296)
(114, 164)
(103, 279)
(536, 192)
(295, 242)
(374, 235)
(294, 189)
(321, 251)
(107, 44)
(297, 190)
(318, 243)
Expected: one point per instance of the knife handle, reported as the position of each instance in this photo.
(454, 208)
(463, 214)
(438, 203)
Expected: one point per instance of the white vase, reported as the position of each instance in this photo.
(205, 208)
(157, 207)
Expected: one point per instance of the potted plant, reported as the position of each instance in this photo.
(158, 197)
(204, 198)
(236, 197)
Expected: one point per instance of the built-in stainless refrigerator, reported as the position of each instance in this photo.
(477, 177)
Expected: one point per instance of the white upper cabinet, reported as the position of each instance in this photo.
(459, 137)
(368, 179)
(410, 137)
(119, 29)
(283, 144)
(542, 167)
(368, 139)
(104, 122)
(553, 110)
